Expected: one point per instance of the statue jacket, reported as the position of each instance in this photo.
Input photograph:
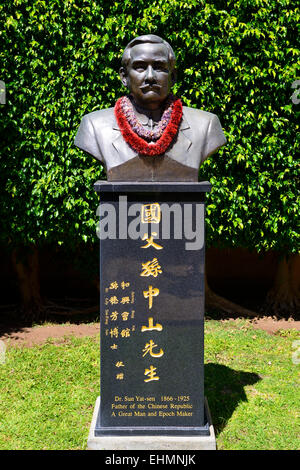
(200, 134)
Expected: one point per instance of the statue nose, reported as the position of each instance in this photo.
(150, 75)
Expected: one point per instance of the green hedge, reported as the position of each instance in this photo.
(60, 60)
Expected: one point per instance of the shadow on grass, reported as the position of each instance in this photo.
(224, 389)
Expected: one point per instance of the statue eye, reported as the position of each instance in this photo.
(160, 66)
(139, 66)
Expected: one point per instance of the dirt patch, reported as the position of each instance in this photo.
(272, 325)
(30, 336)
(39, 334)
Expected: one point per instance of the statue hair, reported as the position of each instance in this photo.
(148, 38)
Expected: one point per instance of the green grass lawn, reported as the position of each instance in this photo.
(48, 392)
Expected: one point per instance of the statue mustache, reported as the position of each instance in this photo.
(150, 85)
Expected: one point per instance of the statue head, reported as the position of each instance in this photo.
(148, 70)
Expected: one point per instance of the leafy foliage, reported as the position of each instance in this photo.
(60, 60)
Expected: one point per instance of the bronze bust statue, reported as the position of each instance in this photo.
(149, 135)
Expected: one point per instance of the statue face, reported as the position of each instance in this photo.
(148, 76)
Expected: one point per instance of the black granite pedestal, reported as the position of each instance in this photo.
(152, 261)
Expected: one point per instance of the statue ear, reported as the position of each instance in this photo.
(123, 75)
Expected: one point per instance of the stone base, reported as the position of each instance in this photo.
(150, 442)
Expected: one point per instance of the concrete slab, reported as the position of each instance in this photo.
(150, 442)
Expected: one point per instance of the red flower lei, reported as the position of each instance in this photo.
(142, 146)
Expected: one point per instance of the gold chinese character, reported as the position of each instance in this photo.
(120, 364)
(149, 349)
(125, 300)
(125, 284)
(125, 333)
(151, 373)
(106, 316)
(120, 376)
(151, 242)
(125, 316)
(114, 316)
(149, 294)
(112, 300)
(114, 332)
(151, 213)
(113, 285)
(151, 268)
(150, 326)
(114, 346)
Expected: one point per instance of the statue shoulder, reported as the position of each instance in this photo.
(103, 117)
(92, 127)
(207, 128)
(198, 115)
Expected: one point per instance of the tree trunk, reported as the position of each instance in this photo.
(217, 302)
(283, 299)
(26, 264)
